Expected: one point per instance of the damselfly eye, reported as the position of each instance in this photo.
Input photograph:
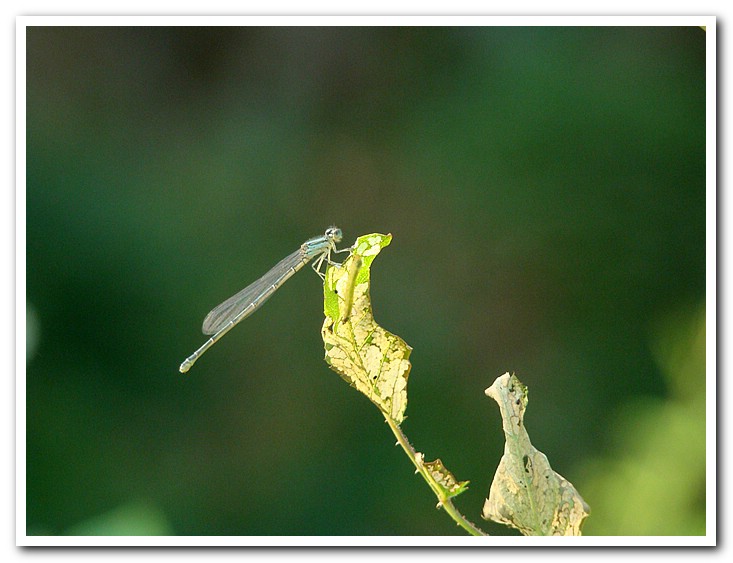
(334, 233)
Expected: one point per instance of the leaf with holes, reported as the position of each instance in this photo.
(371, 359)
(526, 493)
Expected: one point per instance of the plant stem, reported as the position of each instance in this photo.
(443, 501)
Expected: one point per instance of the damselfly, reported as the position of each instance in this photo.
(222, 318)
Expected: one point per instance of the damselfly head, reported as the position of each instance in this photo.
(334, 233)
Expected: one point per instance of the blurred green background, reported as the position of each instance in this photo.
(545, 188)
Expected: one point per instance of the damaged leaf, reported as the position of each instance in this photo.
(526, 493)
(371, 359)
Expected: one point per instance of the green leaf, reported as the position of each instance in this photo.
(136, 518)
(371, 359)
(526, 493)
